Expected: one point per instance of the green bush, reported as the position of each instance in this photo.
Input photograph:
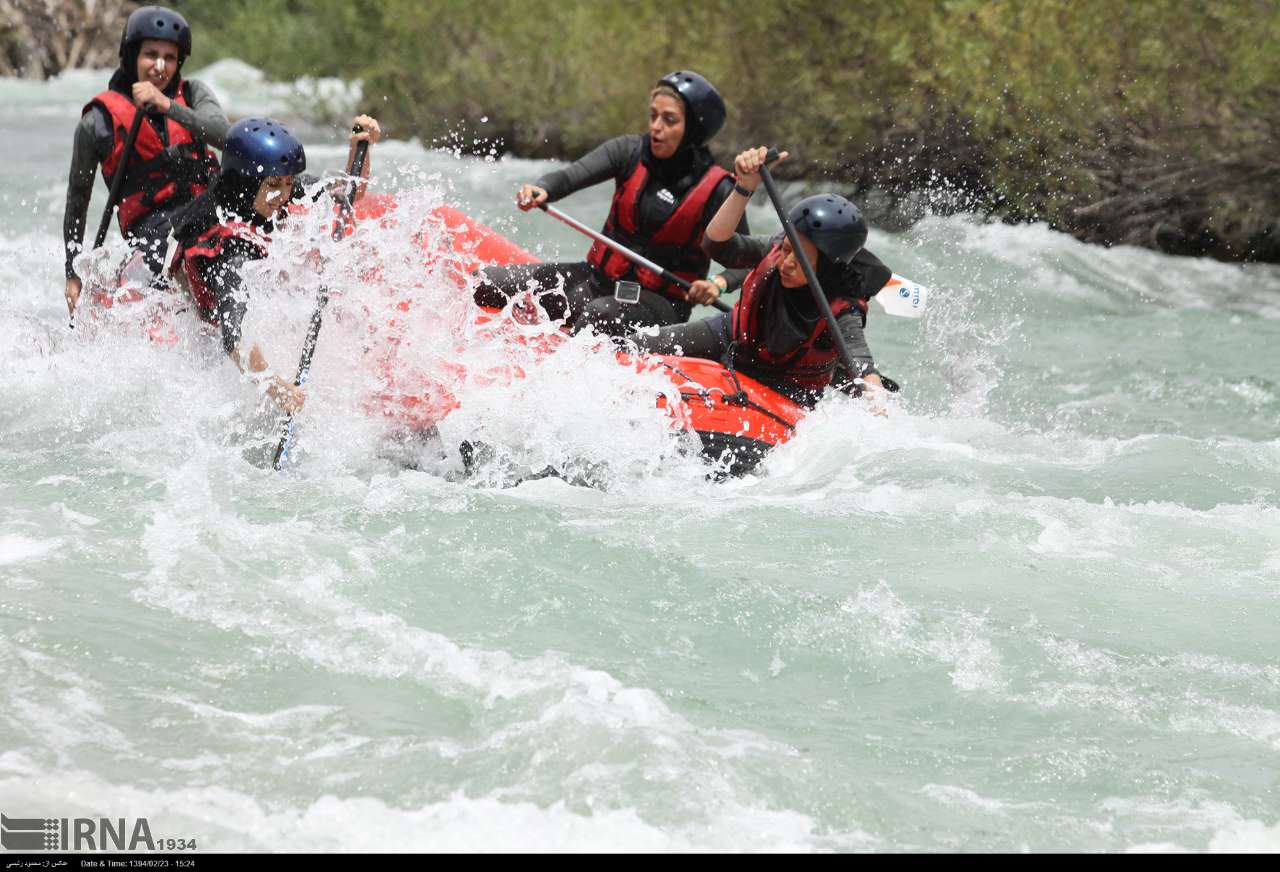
(1029, 110)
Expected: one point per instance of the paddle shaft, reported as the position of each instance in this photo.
(113, 196)
(357, 170)
(113, 193)
(304, 371)
(313, 328)
(814, 287)
(638, 259)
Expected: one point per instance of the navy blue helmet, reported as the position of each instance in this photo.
(261, 147)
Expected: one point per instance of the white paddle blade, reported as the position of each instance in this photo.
(903, 297)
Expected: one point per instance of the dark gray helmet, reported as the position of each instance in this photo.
(706, 112)
(833, 224)
(156, 22)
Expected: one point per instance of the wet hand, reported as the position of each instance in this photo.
(288, 396)
(873, 391)
(746, 166)
(72, 293)
(703, 293)
(338, 188)
(147, 94)
(370, 131)
(530, 197)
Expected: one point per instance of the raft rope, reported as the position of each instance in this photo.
(739, 398)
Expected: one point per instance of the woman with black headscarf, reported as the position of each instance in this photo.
(668, 187)
(776, 332)
(170, 164)
(230, 225)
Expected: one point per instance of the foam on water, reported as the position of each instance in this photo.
(1030, 606)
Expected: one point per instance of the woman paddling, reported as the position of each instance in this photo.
(231, 224)
(776, 333)
(668, 187)
(170, 164)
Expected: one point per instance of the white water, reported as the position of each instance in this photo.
(1033, 607)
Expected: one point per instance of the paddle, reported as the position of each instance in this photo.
(814, 287)
(313, 329)
(667, 275)
(900, 296)
(113, 193)
(304, 371)
(113, 196)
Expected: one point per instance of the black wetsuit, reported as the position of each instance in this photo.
(582, 294)
(790, 315)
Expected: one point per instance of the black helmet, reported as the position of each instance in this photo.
(156, 22)
(706, 107)
(261, 147)
(833, 224)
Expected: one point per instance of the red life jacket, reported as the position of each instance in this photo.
(813, 363)
(678, 243)
(154, 176)
(209, 246)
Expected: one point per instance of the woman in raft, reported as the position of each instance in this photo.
(776, 333)
(231, 224)
(170, 164)
(668, 187)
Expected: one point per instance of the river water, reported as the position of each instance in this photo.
(1032, 607)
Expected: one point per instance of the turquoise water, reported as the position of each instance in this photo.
(1032, 607)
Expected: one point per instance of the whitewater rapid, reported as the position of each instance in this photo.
(1032, 607)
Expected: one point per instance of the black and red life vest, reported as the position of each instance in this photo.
(210, 245)
(678, 243)
(155, 176)
(813, 363)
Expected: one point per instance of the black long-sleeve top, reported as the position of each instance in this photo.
(669, 180)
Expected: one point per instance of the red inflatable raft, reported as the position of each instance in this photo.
(737, 419)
